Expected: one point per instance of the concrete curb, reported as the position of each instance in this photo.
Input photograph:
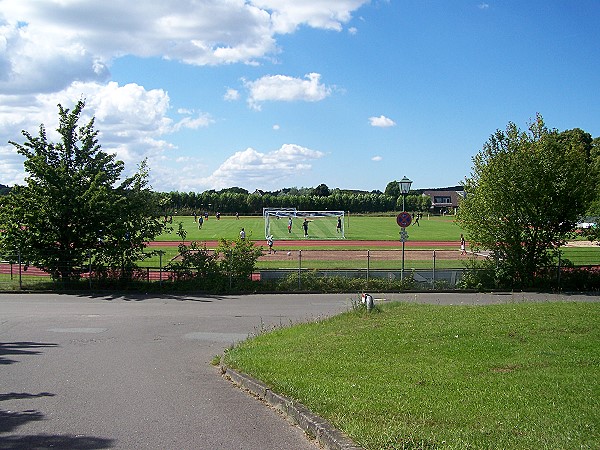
(313, 425)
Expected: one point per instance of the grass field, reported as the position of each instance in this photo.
(357, 228)
(518, 376)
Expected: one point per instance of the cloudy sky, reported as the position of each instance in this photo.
(270, 94)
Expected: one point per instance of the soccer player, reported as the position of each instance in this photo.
(270, 244)
(305, 226)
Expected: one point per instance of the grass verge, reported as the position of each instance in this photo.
(516, 376)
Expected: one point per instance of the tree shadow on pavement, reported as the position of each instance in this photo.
(44, 441)
(20, 348)
(161, 295)
(11, 420)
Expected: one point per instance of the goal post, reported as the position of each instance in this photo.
(289, 223)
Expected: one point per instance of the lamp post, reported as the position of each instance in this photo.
(404, 189)
(404, 218)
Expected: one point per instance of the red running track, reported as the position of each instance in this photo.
(326, 243)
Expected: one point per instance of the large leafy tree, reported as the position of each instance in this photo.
(74, 207)
(321, 190)
(593, 234)
(524, 195)
(393, 189)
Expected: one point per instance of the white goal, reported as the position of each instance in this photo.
(289, 223)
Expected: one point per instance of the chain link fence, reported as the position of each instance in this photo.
(426, 269)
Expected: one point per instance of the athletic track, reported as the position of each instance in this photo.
(284, 243)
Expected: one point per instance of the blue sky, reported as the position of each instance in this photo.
(269, 94)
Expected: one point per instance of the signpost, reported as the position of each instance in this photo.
(403, 235)
(403, 220)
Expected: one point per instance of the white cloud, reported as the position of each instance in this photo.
(483, 6)
(131, 121)
(11, 166)
(376, 158)
(57, 51)
(286, 88)
(352, 30)
(203, 120)
(263, 170)
(46, 45)
(231, 95)
(276, 127)
(287, 15)
(381, 122)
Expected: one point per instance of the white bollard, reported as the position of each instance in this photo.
(367, 299)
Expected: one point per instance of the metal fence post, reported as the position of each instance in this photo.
(433, 274)
(230, 272)
(160, 253)
(20, 268)
(368, 265)
(90, 272)
(299, 269)
(558, 273)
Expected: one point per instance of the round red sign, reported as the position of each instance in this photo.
(403, 219)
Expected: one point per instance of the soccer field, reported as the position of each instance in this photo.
(356, 228)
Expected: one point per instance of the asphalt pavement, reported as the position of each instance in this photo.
(130, 372)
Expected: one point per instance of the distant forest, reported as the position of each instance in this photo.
(321, 198)
(238, 200)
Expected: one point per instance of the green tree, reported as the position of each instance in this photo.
(523, 197)
(73, 208)
(237, 259)
(392, 189)
(134, 219)
(593, 234)
(321, 190)
(196, 262)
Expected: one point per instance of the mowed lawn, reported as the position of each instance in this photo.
(512, 376)
(359, 228)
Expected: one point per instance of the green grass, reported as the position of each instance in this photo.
(578, 256)
(293, 262)
(356, 228)
(582, 256)
(519, 376)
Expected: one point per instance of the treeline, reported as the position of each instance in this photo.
(232, 200)
(321, 198)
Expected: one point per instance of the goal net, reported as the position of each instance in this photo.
(289, 223)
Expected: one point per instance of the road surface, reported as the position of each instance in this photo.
(130, 372)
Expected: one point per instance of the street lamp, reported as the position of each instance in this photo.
(404, 190)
